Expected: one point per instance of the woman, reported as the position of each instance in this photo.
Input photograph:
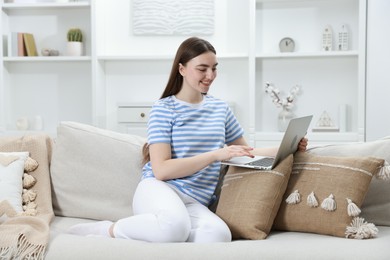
(189, 134)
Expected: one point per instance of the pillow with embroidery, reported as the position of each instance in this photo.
(324, 196)
(250, 199)
(11, 178)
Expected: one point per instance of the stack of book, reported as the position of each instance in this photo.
(22, 44)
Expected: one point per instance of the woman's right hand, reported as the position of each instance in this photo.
(228, 152)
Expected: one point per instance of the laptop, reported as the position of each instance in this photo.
(296, 130)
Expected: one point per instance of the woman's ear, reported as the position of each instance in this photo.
(182, 69)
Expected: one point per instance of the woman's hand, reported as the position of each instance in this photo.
(228, 152)
(302, 146)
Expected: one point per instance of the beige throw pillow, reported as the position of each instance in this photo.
(324, 193)
(250, 199)
(94, 172)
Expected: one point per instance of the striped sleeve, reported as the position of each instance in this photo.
(160, 124)
(233, 127)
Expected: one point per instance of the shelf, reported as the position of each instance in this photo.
(47, 59)
(31, 6)
(308, 54)
(134, 57)
(274, 138)
(289, 1)
(162, 57)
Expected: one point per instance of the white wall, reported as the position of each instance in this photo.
(378, 74)
(143, 80)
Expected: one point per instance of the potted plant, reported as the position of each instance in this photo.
(75, 42)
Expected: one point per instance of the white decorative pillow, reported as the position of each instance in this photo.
(11, 175)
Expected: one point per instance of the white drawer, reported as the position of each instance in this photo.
(135, 114)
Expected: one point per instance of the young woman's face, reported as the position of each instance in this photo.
(200, 72)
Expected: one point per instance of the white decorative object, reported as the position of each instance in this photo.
(173, 17)
(286, 44)
(343, 117)
(325, 124)
(286, 104)
(343, 39)
(327, 38)
(22, 123)
(37, 123)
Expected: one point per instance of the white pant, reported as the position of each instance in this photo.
(163, 214)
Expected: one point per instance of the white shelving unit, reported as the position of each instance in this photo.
(121, 68)
(328, 79)
(53, 87)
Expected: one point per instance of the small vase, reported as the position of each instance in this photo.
(74, 49)
(284, 118)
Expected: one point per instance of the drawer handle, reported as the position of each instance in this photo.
(142, 115)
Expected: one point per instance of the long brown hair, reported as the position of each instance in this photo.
(189, 49)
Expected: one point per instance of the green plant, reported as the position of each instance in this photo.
(75, 35)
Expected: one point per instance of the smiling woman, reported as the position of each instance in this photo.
(189, 134)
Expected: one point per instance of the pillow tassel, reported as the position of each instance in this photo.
(312, 200)
(30, 165)
(329, 204)
(30, 209)
(28, 181)
(353, 209)
(294, 198)
(360, 229)
(384, 172)
(28, 196)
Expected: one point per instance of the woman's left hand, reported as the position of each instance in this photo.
(302, 144)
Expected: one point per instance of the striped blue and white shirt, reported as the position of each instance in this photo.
(191, 130)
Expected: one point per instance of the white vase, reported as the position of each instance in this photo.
(74, 49)
(284, 118)
(22, 123)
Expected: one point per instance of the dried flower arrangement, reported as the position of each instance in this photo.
(285, 103)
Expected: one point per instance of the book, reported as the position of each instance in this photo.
(29, 43)
(13, 44)
(16, 45)
(21, 46)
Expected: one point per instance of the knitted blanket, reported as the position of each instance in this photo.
(26, 237)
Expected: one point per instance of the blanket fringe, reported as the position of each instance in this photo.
(360, 229)
(23, 249)
(384, 172)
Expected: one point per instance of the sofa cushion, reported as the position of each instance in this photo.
(320, 191)
(94, 172)
(11, 175)
(250, 199)
(376, 206)
(277, 246)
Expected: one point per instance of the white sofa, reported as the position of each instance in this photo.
(93, 176)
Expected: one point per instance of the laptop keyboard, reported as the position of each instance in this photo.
(265, 162)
